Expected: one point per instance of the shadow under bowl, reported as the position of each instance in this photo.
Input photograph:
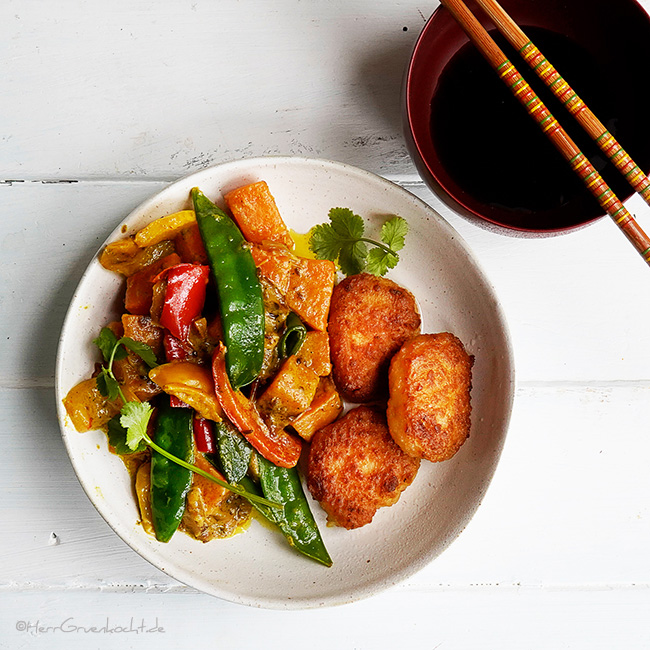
(477, 147)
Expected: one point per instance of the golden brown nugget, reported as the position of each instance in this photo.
(370, 318)
(355, 468)
(430, 379)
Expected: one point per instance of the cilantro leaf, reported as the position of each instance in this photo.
(141, 349)
(324, 243)
(346, 224)
(379, 261)
(107, 385)
(107, 342)
(393, 233)
(352, 258)
(135, 418)
(117, 438)
(342, 241)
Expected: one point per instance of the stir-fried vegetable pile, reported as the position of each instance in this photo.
(218, 370)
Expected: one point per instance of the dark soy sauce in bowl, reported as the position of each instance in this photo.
(472, 139)
(496, 154)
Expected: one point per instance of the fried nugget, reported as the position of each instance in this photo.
(430, 379)
(355, 468)
(370, 318)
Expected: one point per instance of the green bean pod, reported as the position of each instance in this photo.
(240, 292)
(170, 482)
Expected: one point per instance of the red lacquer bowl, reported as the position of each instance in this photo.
(476, 146)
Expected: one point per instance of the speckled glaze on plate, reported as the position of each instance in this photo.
(258, 568)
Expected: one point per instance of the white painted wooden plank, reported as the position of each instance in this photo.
(568, 506)
(48, 234)
(140, 88)
(574, 303)
(500, 619)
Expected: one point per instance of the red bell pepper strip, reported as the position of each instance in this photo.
(184, 297)
(139, 286)
(276, 445)
(204, 435)
(174, 351)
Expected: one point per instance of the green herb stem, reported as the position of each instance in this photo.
(388, 249)
(233, 488)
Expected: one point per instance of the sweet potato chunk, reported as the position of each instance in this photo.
(189, 245)
(289, 394)
(274, 263)
(323, 410)
(310, 291)
(315, 353)
(355, 468)
(370, 318)
(254, 209)
(142, 329)
(429, 407)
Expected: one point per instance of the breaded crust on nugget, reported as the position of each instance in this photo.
(430, 379)
(355, 467)
(370, 318)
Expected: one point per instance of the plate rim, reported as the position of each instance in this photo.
(377, 586)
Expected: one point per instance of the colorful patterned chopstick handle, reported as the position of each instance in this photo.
(578, 161)
(574, 104)
(565, 93)
(536, 108)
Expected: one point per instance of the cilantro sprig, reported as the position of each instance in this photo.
(343, 241)
(114, 349)
(130, 433)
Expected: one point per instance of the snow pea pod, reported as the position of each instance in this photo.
(295, 519)
(294, 336)
(170, 482)
(234, 452)
(240, 293)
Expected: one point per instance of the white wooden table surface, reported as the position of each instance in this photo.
(102, 105)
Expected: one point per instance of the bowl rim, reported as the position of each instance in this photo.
(307, 602)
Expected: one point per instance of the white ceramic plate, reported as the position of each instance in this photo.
(258, 568)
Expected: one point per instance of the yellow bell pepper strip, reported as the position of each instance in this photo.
(164, 228)
(275, 445)
(240, 292)
(192, 384)
(126, 257)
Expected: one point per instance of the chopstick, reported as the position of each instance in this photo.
(550, 126)
(565, 93)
